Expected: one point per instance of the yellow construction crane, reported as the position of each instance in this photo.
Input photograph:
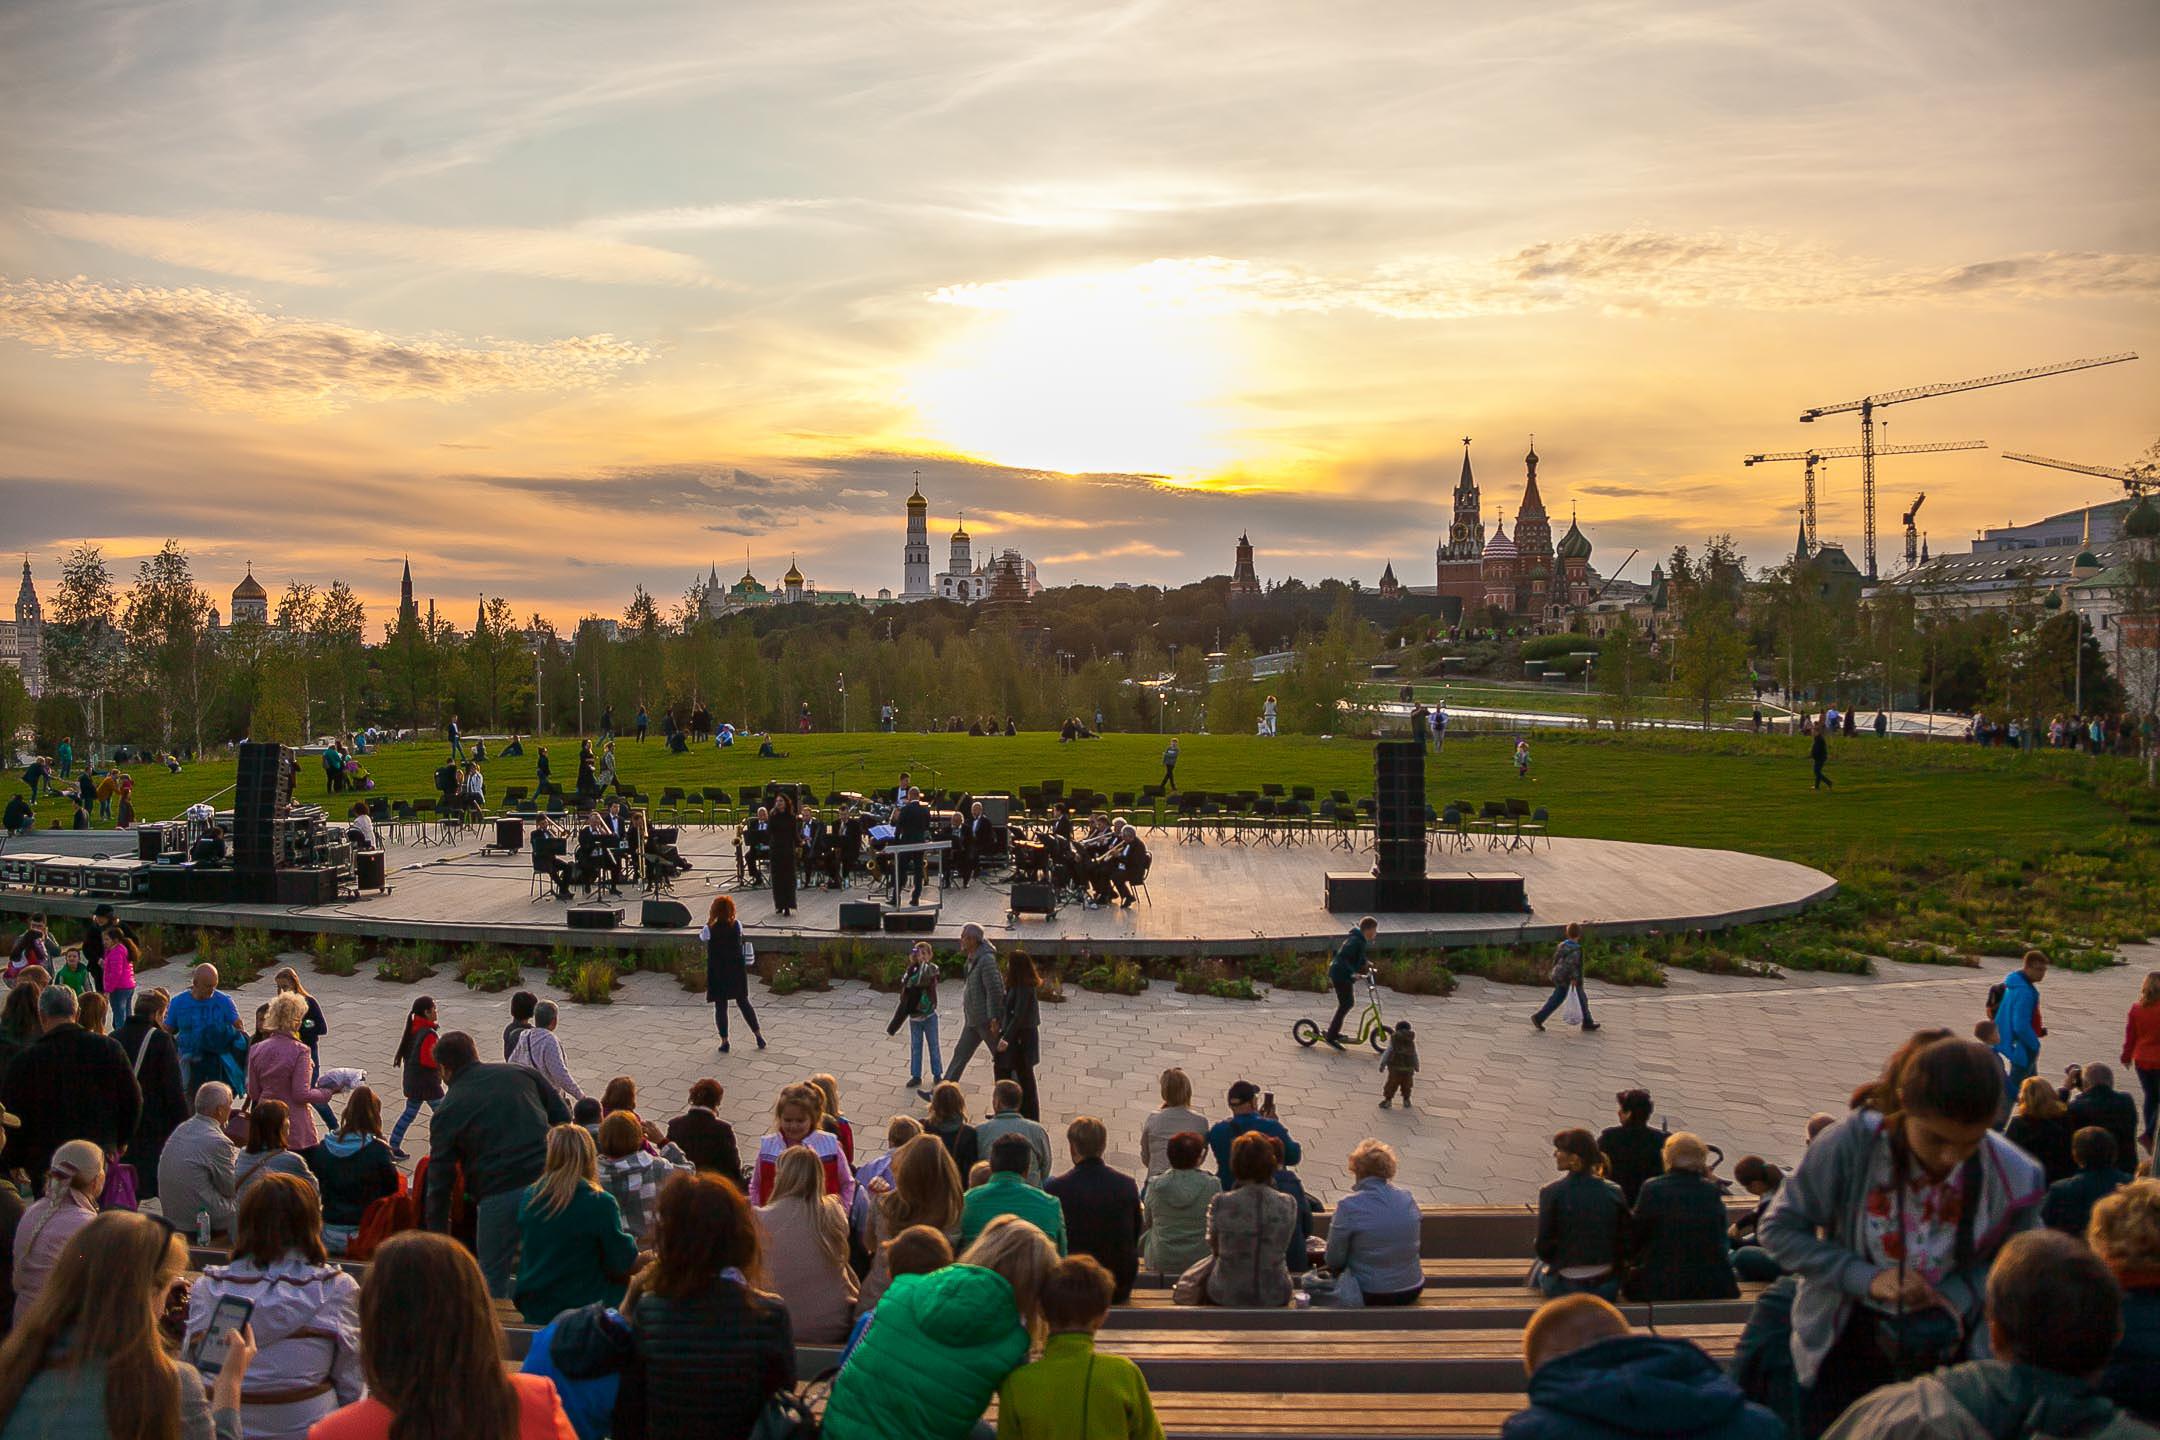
(1867, 405)
(1912, 530)
(2133, 482)
(1846, 452)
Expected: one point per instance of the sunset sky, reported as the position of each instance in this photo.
(561, 298)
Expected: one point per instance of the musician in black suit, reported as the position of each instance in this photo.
(976, 842)
(596, 854)
(911, 826)
(1062, 826)
(757, 843)
(1095, 849)
(1128, 862)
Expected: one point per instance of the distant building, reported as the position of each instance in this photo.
(717, 600)
(22, 640)
(2094, 524)
(1525, 577)
(1012, 589)
(408, 613)
(1390, 587)
(1244, 580)
(250, 602)
(915, 554)
(1829, 569)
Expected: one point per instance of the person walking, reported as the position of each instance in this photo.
(727, 969)
(1818, 754)
(1169, 766)
(206, 1024)
(2017, 1021)
(491, 1132)
(1352, 958)
(1567, 974)
(423, 1083)
(982, 1005)
(1019, 1044)
(457, 748)
(2141, 1052)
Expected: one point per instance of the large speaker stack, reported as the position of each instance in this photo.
(262, 808)
(1399, 825)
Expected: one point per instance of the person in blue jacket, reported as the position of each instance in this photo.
(1352, 958)
(1246, 1115)
(2017, 1022)
(1591, 1378)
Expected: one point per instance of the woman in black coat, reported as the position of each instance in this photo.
(1677, 1235)
(2041, 1128)
(786, 833)
(1019, 1047)
(727, 978)
(156, 1061)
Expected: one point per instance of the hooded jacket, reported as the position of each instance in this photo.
(2014, 1021)
(1638, 1385)
(1987, 1400)
(938, 1349)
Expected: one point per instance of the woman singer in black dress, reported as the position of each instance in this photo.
(786, 835)
(727, 978)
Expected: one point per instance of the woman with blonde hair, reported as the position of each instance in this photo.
(942, 1343)
(2141, 1052)
(798, 1118)
(1677, 1232)
(805, 1243)
(73, 1181)
(88, 1358)
(2041, 1127)
(574, 1248)
(313, 1026)
(1175, 1116)
(923, 1188)
(2125, 1233)
(279, 1067)
(1376, 1231)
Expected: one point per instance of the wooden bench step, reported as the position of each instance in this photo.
(1192, 1415)
(1448, 1311)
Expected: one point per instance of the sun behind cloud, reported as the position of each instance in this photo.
(1082, 375)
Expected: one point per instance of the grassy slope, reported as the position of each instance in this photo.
(1736, 793)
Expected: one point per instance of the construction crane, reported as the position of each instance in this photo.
(2132, 481)
(1912, 531)
(1847, 452)
(1867, 405)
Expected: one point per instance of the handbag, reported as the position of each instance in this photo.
(122, 1190)
(1191, 1287)
(791, 1416)
(1333, 1292)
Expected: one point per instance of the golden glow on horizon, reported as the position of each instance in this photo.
(1082, 377)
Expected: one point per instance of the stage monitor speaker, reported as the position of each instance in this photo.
(861, 915)
(997, 809)
(306, 887)
(595, 917)
(1032, 898)
(920, 921)
(509, 835)
(149, 842)
(664, 915)
(368, 867)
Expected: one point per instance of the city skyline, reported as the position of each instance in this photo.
(560, 303)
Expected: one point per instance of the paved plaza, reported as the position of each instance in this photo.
(1743, 1062)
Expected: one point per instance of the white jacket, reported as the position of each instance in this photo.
(307, 1334)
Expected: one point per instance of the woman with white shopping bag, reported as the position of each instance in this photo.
(728, 958)
(1567, 983)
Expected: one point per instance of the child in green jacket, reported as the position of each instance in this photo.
(1072, 1393)
(73, 973)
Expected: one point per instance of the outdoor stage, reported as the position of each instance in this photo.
(1203, 899)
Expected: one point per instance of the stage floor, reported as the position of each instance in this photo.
(1214, 898)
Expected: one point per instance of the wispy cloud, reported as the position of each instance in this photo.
(317, 250)
(1131, 549)
(223, 351)
(1618, 271)
(853, 493)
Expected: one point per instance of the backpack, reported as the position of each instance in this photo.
(1995, 997)
(399, 1210)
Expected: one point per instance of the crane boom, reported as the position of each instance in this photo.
(1842, 452)
(2132, 481)
(1867, 405)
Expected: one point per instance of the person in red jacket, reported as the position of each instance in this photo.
(423, 1077)
(2141, 1051)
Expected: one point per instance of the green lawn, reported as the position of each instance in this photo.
(1909, 798)
(1556, 698)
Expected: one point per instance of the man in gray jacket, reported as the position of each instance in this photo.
(1006, 1119)
(982, 1007)
(195, 1170)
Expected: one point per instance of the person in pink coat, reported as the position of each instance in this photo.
(279, 1067)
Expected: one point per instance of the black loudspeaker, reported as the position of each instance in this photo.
(997, 809)
(368, 867)
(664, 915)
(595, 917)
(1031, 898)
(509, 835)
(310, 886)
(923, 921)
(149, 842)
(861, 915)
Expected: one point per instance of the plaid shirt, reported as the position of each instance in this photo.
(635, 1180)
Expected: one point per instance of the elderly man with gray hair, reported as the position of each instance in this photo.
(68, 1084)
(982, 1005)
(195, 1174)
(538, 1049)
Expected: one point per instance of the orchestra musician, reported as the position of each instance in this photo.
(975, 843)
(1095, 859)
(597, 855)
(911, 826)
(548, 858)
(754, 845)
(785, 834)
(1062, 825)
(1128, 861)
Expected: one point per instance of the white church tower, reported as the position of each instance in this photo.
(915, 559)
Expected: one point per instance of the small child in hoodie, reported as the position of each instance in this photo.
(917, 1250)
(1399, 1060)
(1038, 1400)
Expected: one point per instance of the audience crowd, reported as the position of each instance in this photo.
(210, 1235)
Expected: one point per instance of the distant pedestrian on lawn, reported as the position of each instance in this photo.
(1818, 753)
(1567, 974)
(1522, 758)
(1169, 766)
(1352, 958)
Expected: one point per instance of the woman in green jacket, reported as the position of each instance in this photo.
(573, 1247)
(939, 1345)
(1177, 1208)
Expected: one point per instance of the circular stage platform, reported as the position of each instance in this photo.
(1202, 899)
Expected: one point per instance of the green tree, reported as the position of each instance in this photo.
(339, 634)
(16, 711)
(1710, 650)
(493, 655)
(297, 611)
(1234, 700)
(84, 652)
(1321, 684)
(1624, 674)
(166, 618)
